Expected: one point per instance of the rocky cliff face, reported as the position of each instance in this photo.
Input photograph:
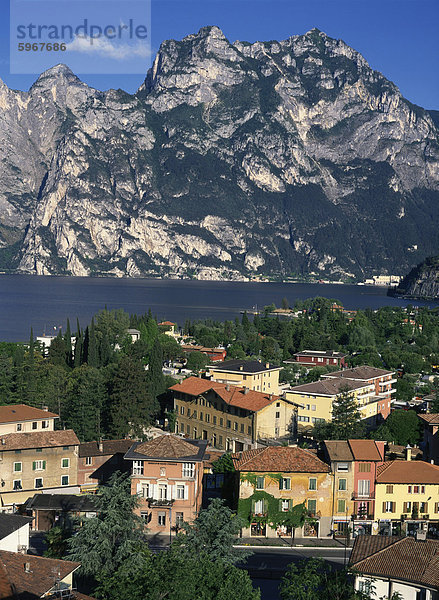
(422, 281)
(231, 160)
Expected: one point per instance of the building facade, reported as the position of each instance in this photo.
(320, 358)
(97, 461)
(276, 479)
(167, 476)
(229, 417)
(252, 374)
(430, 423)
(20, 418)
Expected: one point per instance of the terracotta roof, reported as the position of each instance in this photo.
(166, 323)
(338, 450)
(430, 418)
(235, 396)
(364, 372)
(279, 459)
(167, 446)
(403, 559)
(110, 447)
(38, 439)
(244, 366)
(6, 591)
(40, 578)
(211, 456)
(365, 450)
(21, 412)
(408, 471)
(326, 387)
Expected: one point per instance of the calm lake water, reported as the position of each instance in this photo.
(47, 302)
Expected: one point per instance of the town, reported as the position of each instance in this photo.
(317, 430)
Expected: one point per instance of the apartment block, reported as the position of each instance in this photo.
(252, 374)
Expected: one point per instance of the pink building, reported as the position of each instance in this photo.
(167, 475)
(368, 455)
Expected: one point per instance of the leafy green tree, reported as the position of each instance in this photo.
(155, 379)
(132, 405)
(197, 361)
(113, 324)
(285, 304)
(115, 535)
(224, 464)
(58, 353)
(405, 388)
(57, 542)
(213, 532)
(86, 395)
(401, 427)
(346, 418)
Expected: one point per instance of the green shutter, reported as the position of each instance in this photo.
(34, 464)
(44, 464)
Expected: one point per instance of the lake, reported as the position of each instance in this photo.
(46, 302)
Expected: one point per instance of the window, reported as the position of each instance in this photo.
(312, 506)
(38, 449)
(182, 410)
(207, 418)
(364, 468)
(389, 507)
(35, 425)
(407, 507)
(313, 406)
(277, 415)
(201, 416)
(221, 422)
(181, 427)
(188, 412)
(39, 482)
(17, 451)
(389, 489)
(260, 483)
(416, 489)
(138, 467)
(409, 489)
(188, 469)
(312, 483)
(235, 426)
(342, 467)
(161, 519)
(65, 480)
(66, 447)
(39, 465)
(17, 467)
(65, 463)
(364, 487)
(188, 430)
(365, 587)
(145, 491)
(259, 507)
(277, 404)
(285, 483)
(17, 484)
(19, 426)
(423, 507)
(220, 445)
(249, 430)
(341, 506)
(144, 515)
(242, 427)
(162, 471)
(303, 419)
(214, 419)
(179, 519)
(342, 485)
(180, 492)
(163, 491)
(229, 424)
(195, 433)
(45, 424)
(284, 505)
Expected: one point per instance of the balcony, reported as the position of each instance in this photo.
(363, 497)
(389, 381)
(153, 502)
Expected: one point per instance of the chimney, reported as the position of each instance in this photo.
(267, 365)
(246, 390)
(227, 387)
(3, 441)
(27, 568)
(101, 445)
(241, 367)
(46, 408)
(408, 452)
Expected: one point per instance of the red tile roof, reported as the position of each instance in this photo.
(430, 418)
(365, 450)
(235, 396)
(38, 439)
(327, 387)
(21, 412)
(362, 373)
(41, 576)
(403, 559)
(279, 459)
(408, 471)
(167, 446)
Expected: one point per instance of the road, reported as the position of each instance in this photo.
(266, 566)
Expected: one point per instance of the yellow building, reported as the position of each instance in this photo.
(20, 418)
(315, 400)
(230, 417)
(257, 376)
(407, 496)
(275, 479)
(37, 462)
(341, 459)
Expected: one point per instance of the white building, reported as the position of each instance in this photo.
(14, 532)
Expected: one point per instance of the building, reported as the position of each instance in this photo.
(315, 400)
(380, 382)
(134, 334)
(97, 461)
(319, 358)
(24, 576)
(14, 533)
(167, 475)
(407, 497)
(430, 422)
(383, 566)
(230, 417)
(20, 418)
(354, 464)
(257, 376)
(168, 328)
(37, 462)
(49, 510)
(277, 478)
(214, 354)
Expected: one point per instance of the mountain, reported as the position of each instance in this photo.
(422, 281)
(231, 159)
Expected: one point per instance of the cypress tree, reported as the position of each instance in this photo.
(93, 356)
(68, 341)
(156, 381)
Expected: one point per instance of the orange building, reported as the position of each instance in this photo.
(167, 475)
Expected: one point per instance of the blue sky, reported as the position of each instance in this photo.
(397, 37)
